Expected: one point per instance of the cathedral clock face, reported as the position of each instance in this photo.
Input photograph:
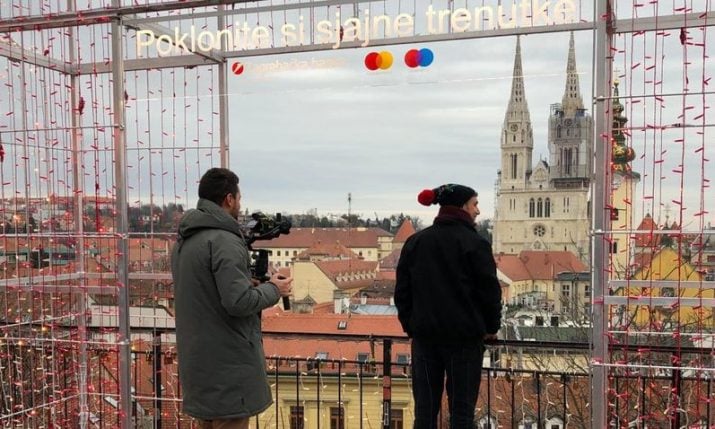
(514, 128)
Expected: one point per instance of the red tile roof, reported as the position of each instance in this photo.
(342, 349)
(404, 232)
(538, 265)
(277, 321)
(334, 268)
(390, 261)
(386, 275)
(349, 273)
(322, 250)
(647, 239)
(306, 237)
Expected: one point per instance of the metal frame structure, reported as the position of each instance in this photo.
(123, 18)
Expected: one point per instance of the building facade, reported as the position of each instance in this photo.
(545, 206)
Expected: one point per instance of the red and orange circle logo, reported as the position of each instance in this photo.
(378, 60)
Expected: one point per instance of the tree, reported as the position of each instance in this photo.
(484, 228)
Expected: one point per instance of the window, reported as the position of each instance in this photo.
(531, 207)
(614, 213)
(403, 359)
(566, 290)
(278, 253)
(337, 418)
(539, 230)
(554, 423)
(567, 160)
(397, 419)
(363, 357)
(488, 422)
(295, 253)
(539, 208)
(319, 356)
(342, 325)
(297, 417)
(587, 290)
(513, 166)
(547, 207)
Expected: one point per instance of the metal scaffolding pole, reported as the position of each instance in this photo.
(77, 179)
(122, 224)
(602, 78)
(223, 99)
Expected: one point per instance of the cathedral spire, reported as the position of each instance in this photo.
(518, 110)
(572, 95)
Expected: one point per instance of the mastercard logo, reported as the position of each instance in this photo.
(378, 60)
(419, 57)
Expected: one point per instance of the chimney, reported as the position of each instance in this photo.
(340, 301)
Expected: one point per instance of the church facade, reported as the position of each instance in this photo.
(545, 206)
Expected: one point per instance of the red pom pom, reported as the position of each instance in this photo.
(426, 197)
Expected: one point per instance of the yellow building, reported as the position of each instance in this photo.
(317, 403)
(319, 279)
(325, 365)
(656, 306)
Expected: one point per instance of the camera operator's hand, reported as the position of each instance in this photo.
(284, 284)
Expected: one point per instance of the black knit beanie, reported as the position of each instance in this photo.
(446, 195)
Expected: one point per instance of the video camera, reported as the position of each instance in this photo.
(263, 227)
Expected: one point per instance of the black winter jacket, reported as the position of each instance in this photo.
(447, 289)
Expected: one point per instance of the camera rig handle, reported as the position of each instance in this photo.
(263, 227)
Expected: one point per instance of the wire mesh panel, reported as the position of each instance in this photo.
(657, 238)
(63, 246)
(102, 146)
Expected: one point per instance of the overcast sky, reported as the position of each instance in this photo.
(308, 129)
(306, 138)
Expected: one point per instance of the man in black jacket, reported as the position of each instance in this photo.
(448, 301)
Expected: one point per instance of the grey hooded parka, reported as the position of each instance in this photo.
(222, 366)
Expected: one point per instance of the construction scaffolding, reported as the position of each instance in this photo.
(109, 118)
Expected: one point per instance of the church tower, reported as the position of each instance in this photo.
(570, 133)
(517, 140)
(623, 186)
(545, 206)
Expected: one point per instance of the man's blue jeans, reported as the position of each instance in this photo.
(462, 365)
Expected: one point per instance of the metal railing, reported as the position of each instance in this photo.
(544, 384)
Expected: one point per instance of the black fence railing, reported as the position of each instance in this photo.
(525, 384)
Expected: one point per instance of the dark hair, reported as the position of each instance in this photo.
(216, 183)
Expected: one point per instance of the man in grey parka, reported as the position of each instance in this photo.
(222, 367)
